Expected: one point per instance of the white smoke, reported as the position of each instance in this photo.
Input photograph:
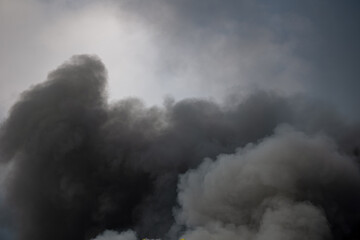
(113, 235)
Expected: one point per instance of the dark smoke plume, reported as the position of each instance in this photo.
(81, 168)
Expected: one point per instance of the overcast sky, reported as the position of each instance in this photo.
(184, 48)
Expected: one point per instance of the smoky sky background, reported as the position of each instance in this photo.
(243, 92)
(188, 48)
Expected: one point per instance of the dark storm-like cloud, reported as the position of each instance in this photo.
(82, 168)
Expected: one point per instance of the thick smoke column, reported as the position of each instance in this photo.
(82, 168)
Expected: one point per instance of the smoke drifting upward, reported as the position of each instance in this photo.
(82, 168)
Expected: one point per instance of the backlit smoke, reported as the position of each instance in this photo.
(267, 167)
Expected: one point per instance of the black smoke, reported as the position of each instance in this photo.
(81, 166)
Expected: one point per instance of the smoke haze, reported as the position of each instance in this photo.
(188, 49)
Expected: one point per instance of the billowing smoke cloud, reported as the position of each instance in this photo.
(82, 168)
(289, 186)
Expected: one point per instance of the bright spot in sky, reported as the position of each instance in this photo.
(123, 43)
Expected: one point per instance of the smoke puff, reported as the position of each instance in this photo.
(48, 107)
(285, 187)
(112, 235)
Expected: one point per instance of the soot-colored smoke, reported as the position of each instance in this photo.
(82, 168)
